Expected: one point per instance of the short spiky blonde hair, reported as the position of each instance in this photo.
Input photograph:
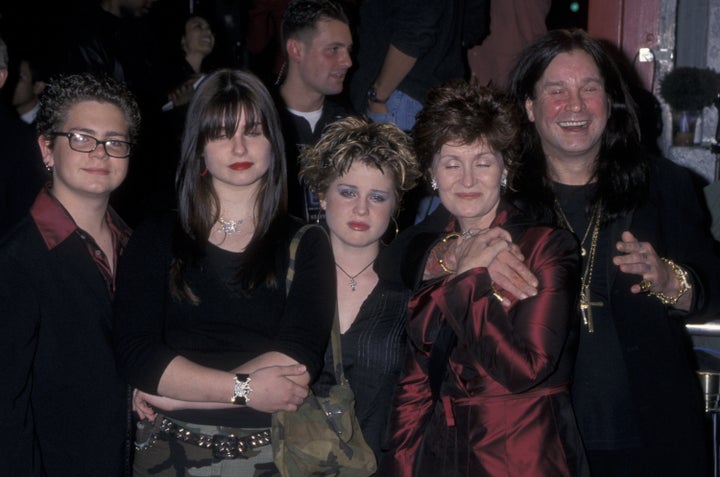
(351, 139)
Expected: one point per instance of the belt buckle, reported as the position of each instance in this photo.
(145, 435)
(226, 447)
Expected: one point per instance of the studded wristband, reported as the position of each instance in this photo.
(242, 390)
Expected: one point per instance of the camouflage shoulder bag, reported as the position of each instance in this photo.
(323, 436)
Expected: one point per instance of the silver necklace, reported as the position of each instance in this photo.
(229, 226)
(353, 283)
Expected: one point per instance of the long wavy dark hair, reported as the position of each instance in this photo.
(622, 167)
(214, 110)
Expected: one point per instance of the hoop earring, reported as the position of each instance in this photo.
(397, 231)
(204, 172)
(433, 184)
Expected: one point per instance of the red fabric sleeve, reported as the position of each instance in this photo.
(520, 347)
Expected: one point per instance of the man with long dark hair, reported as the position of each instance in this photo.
(648, 259)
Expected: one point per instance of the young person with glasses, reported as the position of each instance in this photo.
(63, 405)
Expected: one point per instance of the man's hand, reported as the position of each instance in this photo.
(640, 258)
(493, 248)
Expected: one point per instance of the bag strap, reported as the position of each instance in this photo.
(335, 334)
(335, 342)
(294, 244)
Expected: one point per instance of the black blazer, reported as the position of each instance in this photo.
(63, 406)
(655, 345)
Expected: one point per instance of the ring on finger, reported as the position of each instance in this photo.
(645, 286)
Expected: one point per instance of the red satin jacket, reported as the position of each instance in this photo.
(504, 408)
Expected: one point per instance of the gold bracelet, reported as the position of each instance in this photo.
(445, 267)
(441, 262)
(451, 235)
(682, 277)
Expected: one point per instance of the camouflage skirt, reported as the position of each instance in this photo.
(161, 455)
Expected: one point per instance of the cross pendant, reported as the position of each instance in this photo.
(586, 308)
(586, 312)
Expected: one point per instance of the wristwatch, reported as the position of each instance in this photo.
(242, 390)
(372, 96)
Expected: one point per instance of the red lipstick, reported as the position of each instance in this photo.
(241, 166)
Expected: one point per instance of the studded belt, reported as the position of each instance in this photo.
(223, 446)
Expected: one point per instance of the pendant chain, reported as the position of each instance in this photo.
(567, 225)
(585, 300)
(353, 282)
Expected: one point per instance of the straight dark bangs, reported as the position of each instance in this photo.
(223, 111)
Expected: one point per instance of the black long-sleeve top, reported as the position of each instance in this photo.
(373, 352)
(228, 327)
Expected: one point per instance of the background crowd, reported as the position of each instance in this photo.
(161, 48)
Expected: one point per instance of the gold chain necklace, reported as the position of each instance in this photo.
(353, 283)
(585, 300)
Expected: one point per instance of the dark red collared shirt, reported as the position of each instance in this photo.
(56, 225)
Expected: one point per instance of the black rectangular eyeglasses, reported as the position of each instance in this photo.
(85, 143)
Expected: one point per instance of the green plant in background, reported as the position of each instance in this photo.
(690, 88)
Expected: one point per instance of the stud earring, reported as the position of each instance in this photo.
(433, 184)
